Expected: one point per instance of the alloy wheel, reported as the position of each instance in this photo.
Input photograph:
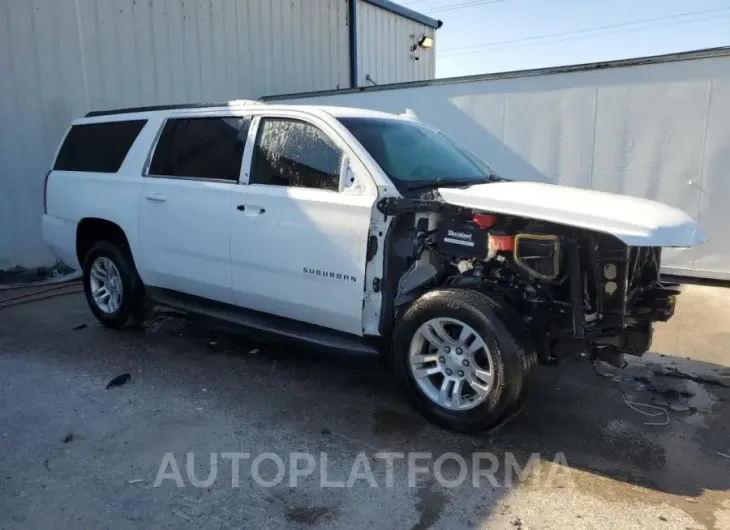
(451, 363)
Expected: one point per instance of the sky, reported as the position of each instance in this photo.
(472, 39)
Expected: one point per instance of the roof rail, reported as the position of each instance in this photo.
(130, 110)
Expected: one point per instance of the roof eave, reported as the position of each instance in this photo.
(407, 13)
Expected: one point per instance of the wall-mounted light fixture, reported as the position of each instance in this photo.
(426, 42)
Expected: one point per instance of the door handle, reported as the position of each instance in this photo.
(157, 197)
(250, 210)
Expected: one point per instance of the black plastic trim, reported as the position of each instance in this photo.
(153, 108)
(272, 325)
(352, 29)
(401, 205)
(576, 289)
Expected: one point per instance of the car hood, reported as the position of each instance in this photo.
(636, 222)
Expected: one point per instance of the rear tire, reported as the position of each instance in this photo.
(112, 286)
(499, 364)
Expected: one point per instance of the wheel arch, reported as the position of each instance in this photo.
(93, 229)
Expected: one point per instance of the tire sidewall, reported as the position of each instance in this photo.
(507, 374)
(129, 284)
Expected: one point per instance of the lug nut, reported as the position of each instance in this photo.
(448, 372)
(442, 360)
(458, 351)
(447, 349)
(465, 362)
(461, 374)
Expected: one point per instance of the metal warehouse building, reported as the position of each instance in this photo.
(61, 58)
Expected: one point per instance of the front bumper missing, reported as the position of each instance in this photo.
(655, 304)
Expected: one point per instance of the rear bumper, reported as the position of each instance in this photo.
(60, 237)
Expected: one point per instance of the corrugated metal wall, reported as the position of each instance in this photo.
(61, 58)
(656, 129)
(384, 47)
(195, 50)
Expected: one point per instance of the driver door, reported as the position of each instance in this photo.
(300, 224)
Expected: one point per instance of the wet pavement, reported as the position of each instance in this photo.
(74, 454)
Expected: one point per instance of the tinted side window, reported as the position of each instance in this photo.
(98, 147)
(296, 154)
(210, 148)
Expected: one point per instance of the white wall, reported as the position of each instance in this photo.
(658, 130)
(384, 47)
(62, 58)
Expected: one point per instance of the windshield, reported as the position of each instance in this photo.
(416, 156)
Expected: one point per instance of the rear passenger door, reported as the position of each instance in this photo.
(300, 226)
(184, 224)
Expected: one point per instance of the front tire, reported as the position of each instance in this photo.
(459, 360)
(112, 287)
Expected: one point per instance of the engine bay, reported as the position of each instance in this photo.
(575, 290)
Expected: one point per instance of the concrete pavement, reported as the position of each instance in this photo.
(76, 455)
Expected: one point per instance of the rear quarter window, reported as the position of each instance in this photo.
(97, 147)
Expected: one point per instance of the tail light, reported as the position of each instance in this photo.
(45, 193)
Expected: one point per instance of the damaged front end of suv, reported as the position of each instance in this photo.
(483, 277)
(576, 289)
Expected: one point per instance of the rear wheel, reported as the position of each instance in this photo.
(111, 284)
(459, 360)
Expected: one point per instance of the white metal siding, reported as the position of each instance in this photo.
(142, 51)
(59, 59)
(384, 47)
(41, 89)
(657, 130)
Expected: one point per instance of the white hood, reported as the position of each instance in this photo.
(636, 222)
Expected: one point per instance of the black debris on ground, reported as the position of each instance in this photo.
(119, 380)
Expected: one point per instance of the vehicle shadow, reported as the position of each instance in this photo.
(661, 423)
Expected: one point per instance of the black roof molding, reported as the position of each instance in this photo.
(181, 106)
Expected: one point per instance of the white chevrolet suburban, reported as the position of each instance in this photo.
(363, 232)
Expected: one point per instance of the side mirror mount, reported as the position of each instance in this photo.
(409, 114)
(349, 179)
(348, 182)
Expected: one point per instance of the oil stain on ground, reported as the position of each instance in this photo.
(643, 450)
(429, 506)
(308, 515)
(388, 422)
